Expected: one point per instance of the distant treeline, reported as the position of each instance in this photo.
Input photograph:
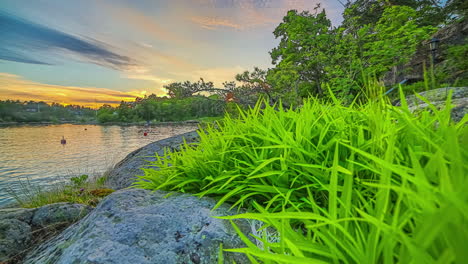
(31, 111)
(150, 108)
(153, 108)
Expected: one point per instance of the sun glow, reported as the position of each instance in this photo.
(16, 88)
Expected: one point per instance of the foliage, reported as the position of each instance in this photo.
(364, 12)
(79, 189)
(341, 184)
(312, 53)
(457, 8)
(302, 54)
(187, 88)
(163, 109)
(79, 180)
(393, 40)
(454, 70)
(31, 111)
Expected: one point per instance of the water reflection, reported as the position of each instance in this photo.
(36, 152)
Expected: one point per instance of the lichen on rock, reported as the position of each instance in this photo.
(139, 226)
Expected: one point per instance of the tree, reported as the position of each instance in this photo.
(302, 54)
(187, 88)
(456, 8)
(147, 109)
(393, 40)
(360, 13)
(106, 114)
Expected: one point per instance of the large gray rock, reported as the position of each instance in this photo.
(139, 226)
(437, 97)
(22, 228)
(124, 173)
(15, 236)
(59, 213)
(21, 214)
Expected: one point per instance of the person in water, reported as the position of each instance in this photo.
(63, 141)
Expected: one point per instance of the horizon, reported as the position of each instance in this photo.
(98, 51)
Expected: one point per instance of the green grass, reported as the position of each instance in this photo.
(78, 189)
(367, 183)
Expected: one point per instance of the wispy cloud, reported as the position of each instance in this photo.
(216, 75)
(144, 23)
(248, 14)
(215, 22)
(25, 41)
(14, 87)
(149, 77)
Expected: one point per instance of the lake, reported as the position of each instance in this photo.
(35, 154)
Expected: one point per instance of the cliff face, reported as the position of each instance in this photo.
(455, 34)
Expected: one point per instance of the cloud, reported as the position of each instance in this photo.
(15, 88)
(149, 77)
(214, 22)
(215, 75)
(21, 40)
(143, 23)
(250, 14)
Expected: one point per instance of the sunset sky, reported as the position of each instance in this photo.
(91, 52)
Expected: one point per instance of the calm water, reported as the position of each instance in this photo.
(34, 153)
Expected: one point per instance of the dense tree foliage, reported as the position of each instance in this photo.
(376, 38)
(162, 109)
(31, 111)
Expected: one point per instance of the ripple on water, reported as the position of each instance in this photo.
(35, 152)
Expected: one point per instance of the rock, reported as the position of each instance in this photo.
(437, 98)
(124, 173)
(21, 214)
(15, 236)
(59, 213)
(22, 228)
(453, 34)
(438, 95)
(139, 226)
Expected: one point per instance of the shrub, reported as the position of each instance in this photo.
(358, 184)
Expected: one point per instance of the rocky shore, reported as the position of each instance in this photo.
(139, 226)
(128, 226)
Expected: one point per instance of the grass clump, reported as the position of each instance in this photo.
(78, 189)
(340, 184)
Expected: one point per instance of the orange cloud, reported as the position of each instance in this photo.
(15, 88)
(214, 22)
(215, 75)
(247, 14)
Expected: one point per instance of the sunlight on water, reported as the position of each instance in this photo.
(35, 152)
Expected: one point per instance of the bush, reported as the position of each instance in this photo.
(358, 184)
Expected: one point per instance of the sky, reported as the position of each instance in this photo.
(92, 52)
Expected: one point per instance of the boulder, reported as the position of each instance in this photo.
(15, 236)
(59, 213)
(124, 173)
(22, 228)
(140, 226)
(437, 97)
(21, 214)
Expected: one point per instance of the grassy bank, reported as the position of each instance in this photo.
(367, 183)
(79, 189)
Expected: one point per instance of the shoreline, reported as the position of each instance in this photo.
(171, 141)
(4, 124)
